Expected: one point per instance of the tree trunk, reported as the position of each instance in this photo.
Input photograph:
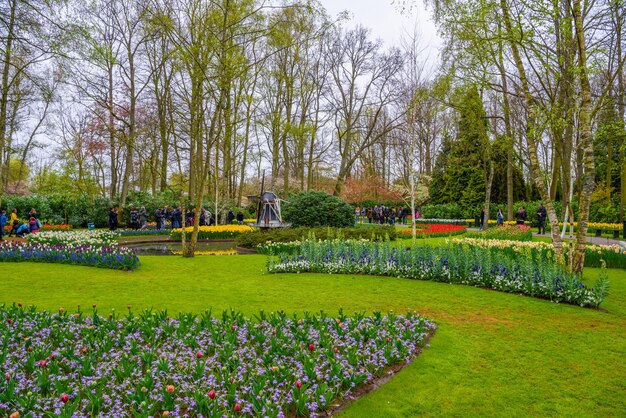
(4, 99)
(584, 124)
(620, 107)
(488, 195)
(531, 134)
(509, 135)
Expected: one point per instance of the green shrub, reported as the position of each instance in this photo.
(374, 233)
(314, 208)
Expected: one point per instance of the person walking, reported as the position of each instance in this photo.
(3, 222)
(520, 216)
(113, 219)
(158, 217)
(240, 218)
(482, 220)
(500, 218)
(541, 219)
(230, 217)
(134, 218)
(14, 222)
(177, 218)
(143, 217)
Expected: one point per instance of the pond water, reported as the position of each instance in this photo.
(171, 248)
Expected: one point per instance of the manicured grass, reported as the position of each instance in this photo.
(494, 354)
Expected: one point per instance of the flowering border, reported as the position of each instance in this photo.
(119, 258)
(460, 264)
(152, 365)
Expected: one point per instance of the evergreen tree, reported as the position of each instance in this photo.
(458, 175)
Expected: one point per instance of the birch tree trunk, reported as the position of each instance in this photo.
(531, 134)
(584, 126)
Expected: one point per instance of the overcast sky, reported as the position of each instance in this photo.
(387, 22)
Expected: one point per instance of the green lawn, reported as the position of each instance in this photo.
(494, 354)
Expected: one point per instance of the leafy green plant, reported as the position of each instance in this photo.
(314, 208)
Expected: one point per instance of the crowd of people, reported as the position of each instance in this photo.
(18, 227)
(520, 218)
(177, 217)
(168, 215)
(383, 215)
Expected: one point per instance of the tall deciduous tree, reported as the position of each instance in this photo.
(364, 86)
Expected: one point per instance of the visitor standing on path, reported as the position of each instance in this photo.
(158, 216)
(33, 225)
(541, 219)
(482, 219)
(500, 218)
(143, 217)
(520, 216)
(113, 219)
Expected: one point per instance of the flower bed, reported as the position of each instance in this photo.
(151, 365)
(213, 232)
(86, 255)
(505, 232)
(435, 230)
(84, 237)
(439, 221)
(611, 255)
(457, 264)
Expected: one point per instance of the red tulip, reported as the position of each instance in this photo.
(388, 339)
(9, 321)
(43, 363)
(237, 407)
(65, 397)
(211, 394)
(336, 350)
(311, 347)
(198, 355)
(170, 388)
(298, 384)
(7, 376)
